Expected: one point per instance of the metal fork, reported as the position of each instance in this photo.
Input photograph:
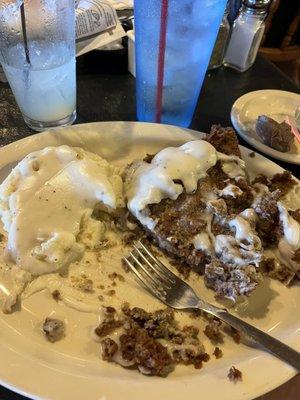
(173, 291)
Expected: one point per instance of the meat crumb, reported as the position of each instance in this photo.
(139, 343)
(111, 292)
(109, 310)
(283, 182)
(82, 283)
(109, 348)
(109, 324)
(56, 295)
(188, 356)
(114, 276)
(234, 374)
(218, 353)
(217, 207)
(213, 332)
(224, 140)
(252, 154)
(277, 270)
(148, 158)
(150, 357)
(54, 329)
(125, 308)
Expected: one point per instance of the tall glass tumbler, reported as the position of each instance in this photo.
(37, 53)
(174, 41)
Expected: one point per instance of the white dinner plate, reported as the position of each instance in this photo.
(276, 104)
(72, 368)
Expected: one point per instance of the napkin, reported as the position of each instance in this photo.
(97, 25)
(122, 5)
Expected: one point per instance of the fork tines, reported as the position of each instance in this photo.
(149, 270)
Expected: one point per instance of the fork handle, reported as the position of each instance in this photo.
(276, 347)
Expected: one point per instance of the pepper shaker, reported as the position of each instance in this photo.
(217, 56)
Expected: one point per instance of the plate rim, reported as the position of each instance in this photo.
(234, 116)
(287, 372)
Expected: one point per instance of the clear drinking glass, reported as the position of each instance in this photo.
(37, 53)
(174, 41)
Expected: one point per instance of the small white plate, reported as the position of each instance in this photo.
(273, 103)
(72, 368)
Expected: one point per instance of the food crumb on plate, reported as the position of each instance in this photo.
(56, 295)
(111, 292)
(213, 332)
(54, 329)
(218, 353)
(235, 375)
(152, 342)
(82, 283)
(109, 348)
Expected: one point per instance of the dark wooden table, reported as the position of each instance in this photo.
(106, 92)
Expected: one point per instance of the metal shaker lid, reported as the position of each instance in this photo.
(257, 4)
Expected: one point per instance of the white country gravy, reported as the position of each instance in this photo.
(48, 199)
(151, 183)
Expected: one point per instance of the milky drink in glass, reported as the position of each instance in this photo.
(174, 41)
(43, 80)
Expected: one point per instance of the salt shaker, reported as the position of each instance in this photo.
(247, 33)
(217, 56)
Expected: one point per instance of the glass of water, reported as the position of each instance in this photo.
(174, 40)
(37, 53)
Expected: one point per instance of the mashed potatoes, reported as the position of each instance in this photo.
(47, 202)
